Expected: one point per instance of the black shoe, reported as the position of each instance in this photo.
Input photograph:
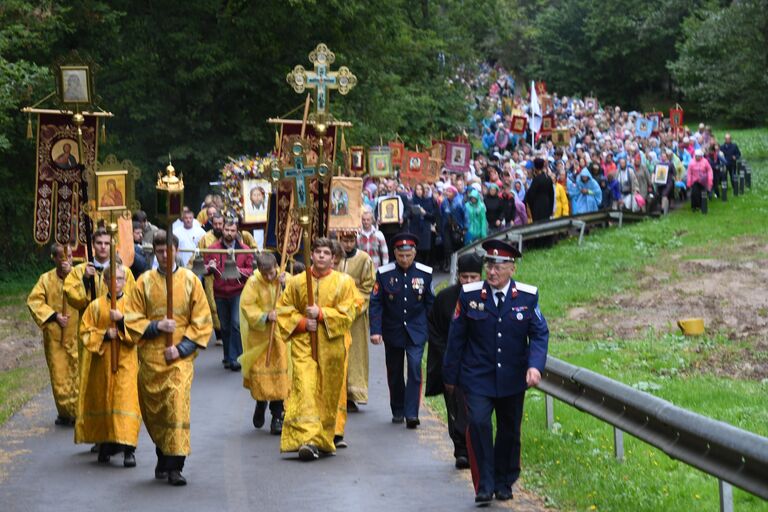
(308, 452)
(62, 421)
(258, 415)
(412, 423)
(160, 474)
(504, 495)
(175, 478)
(397, 419)
(462, 462)
(352, 406)
(129, 460)
(226, 364)
(234, 366)
(339, 442)
(483, 499)
(95, 448)
(103, 458)
(276, 427)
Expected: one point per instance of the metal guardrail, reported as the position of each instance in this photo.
(517, 234)
(733, 455)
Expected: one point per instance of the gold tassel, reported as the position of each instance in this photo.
(343, 142)
(29, 127)
(277, 141)
(104, 132)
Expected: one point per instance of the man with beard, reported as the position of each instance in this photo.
(227, 292)
(211, 236)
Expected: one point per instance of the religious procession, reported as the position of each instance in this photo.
(348, 296)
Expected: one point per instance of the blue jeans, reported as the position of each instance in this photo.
(229, 316)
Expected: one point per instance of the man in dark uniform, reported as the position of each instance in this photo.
(497, 348)
(732, 154)
(401, 298)
(470, 270)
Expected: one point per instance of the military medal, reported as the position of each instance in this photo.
(481, 307)
(473, 304)
(519, 316)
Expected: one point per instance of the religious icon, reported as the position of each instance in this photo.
(561, 137)
(346, 203)
(438, 150)
(64, 154)
(458, 157)
(110, 190)
(547, 123)
(389, 211)
(502, 138)
(380, 161)
(518, 125)
(256, 195)
(676, 117)
(590, 104)
(75, 84)
(416, 165)
(660, 174)
(398, 150)
(434, 167)
(356, 161)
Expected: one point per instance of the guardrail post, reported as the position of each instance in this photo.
(726, 496)
(581, 229)
(618, 444)
(549, 403)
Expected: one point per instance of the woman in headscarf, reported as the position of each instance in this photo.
(424, 215)
(494, 208)
(477, 225)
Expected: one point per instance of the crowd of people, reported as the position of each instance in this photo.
(118, 362)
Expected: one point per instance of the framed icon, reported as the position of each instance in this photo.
(459, 154)
(380, 161)
(111, 190)
(590, 104)
(256, 195)
(518, 125)
(356, 160)
(346, 203)
(74, 83)
(398, 150)
(660, 174)
(389, 210)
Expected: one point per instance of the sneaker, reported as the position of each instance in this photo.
(339, 442)
(276, 427)
(234, 366)
(129, 460)
(219, 342)
(308, 453)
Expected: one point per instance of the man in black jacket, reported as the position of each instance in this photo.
(470, 269)
(732, 155)
(540, 197)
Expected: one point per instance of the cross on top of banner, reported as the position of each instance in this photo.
(322, 80)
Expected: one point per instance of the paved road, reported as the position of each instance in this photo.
(234, 467)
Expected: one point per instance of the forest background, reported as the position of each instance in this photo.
(198, 79)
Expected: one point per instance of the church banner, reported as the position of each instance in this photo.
(58, 216)
(320, 202)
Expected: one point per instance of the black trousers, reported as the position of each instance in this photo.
(404, 398)
(169, 462)
(495, 466)
(457, 420)
(696, 191)
(275, 407)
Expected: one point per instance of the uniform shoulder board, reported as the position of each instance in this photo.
(386, 268)
(527, 288)
(424, 268)
(472, 287)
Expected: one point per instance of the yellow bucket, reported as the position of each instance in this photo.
(691, 326)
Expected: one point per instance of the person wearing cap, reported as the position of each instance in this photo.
(699, 178)
(496, 350)
(470, 268)
(400, 300)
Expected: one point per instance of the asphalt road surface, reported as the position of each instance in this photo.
(234, 467)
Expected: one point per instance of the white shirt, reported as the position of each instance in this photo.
(188, 239)
(504, 290)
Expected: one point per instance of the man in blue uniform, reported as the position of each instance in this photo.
(497, 348)
(401, 297)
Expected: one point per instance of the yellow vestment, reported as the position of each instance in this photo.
(204, 243)
(108, 410)
(164, 389)
(256, 301)
(45, 300)
(78, 298)
(310, 410)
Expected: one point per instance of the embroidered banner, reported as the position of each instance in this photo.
(58, 215)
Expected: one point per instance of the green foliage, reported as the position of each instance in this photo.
(722, 61)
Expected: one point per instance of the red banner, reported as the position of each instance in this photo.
(58, 216)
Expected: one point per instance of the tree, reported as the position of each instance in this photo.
(722, 62)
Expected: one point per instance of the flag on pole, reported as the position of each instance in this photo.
(535, 114)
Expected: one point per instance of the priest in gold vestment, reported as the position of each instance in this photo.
(165, 374)
(267, 384)
(108, 411)
(310, 411)
(59, 324)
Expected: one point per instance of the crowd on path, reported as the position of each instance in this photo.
(116, 362)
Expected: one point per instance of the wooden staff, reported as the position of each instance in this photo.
(169, 259)
(283, 262)
(310, 294)
(113, 344)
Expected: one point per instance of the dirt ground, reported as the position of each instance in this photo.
(728, 290)
(20, 339)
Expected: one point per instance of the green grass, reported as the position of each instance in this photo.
(573, 467)
(19, 385)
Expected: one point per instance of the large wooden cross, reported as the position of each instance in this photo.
(322, 80)
(299, 174)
